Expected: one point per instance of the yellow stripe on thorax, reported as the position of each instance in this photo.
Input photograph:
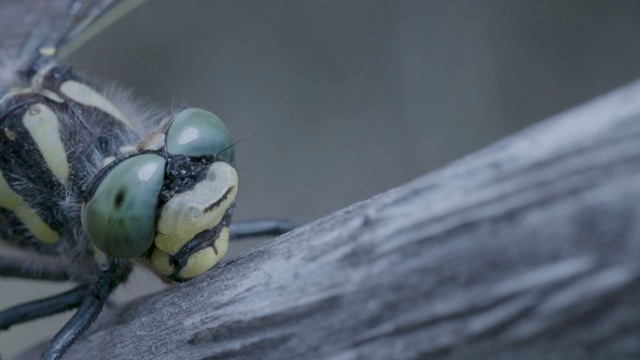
(85, 95)
(13, 202)
(44, 128)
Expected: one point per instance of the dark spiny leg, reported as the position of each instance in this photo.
(20, 264)
(245, 229)
(43, 307)
(92, 304)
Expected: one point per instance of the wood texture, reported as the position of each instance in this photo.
(529, 248)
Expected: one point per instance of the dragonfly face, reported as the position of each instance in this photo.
(86, 191)
(168, 203)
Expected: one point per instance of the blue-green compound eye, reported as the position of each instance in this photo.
(120, 216)
(197, 132)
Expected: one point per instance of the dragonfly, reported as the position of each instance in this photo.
(90, 186)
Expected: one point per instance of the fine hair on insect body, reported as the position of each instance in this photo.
(93, 182)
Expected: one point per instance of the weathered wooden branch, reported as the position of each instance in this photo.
(529, 248)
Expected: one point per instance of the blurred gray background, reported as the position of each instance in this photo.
(344, 99)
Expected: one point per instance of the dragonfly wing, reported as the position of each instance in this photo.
(32, 29)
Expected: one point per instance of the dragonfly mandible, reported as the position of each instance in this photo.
(89, 186)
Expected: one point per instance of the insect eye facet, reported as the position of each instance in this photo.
(196, 132)
(120, 215)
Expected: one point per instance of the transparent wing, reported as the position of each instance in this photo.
(31, 29)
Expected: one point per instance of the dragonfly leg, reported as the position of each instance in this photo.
(92, 303)
(43, 307)
(39, 267)
(253, 228)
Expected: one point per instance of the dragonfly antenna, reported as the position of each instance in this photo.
(233, 145)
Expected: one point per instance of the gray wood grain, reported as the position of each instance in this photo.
(529, 248)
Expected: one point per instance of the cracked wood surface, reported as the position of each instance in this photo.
(528, 248)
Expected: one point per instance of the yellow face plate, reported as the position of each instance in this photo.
(201, 208)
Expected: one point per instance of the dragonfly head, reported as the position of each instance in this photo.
(168, 204)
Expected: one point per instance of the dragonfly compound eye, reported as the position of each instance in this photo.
(120, 216)
(197, 132)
